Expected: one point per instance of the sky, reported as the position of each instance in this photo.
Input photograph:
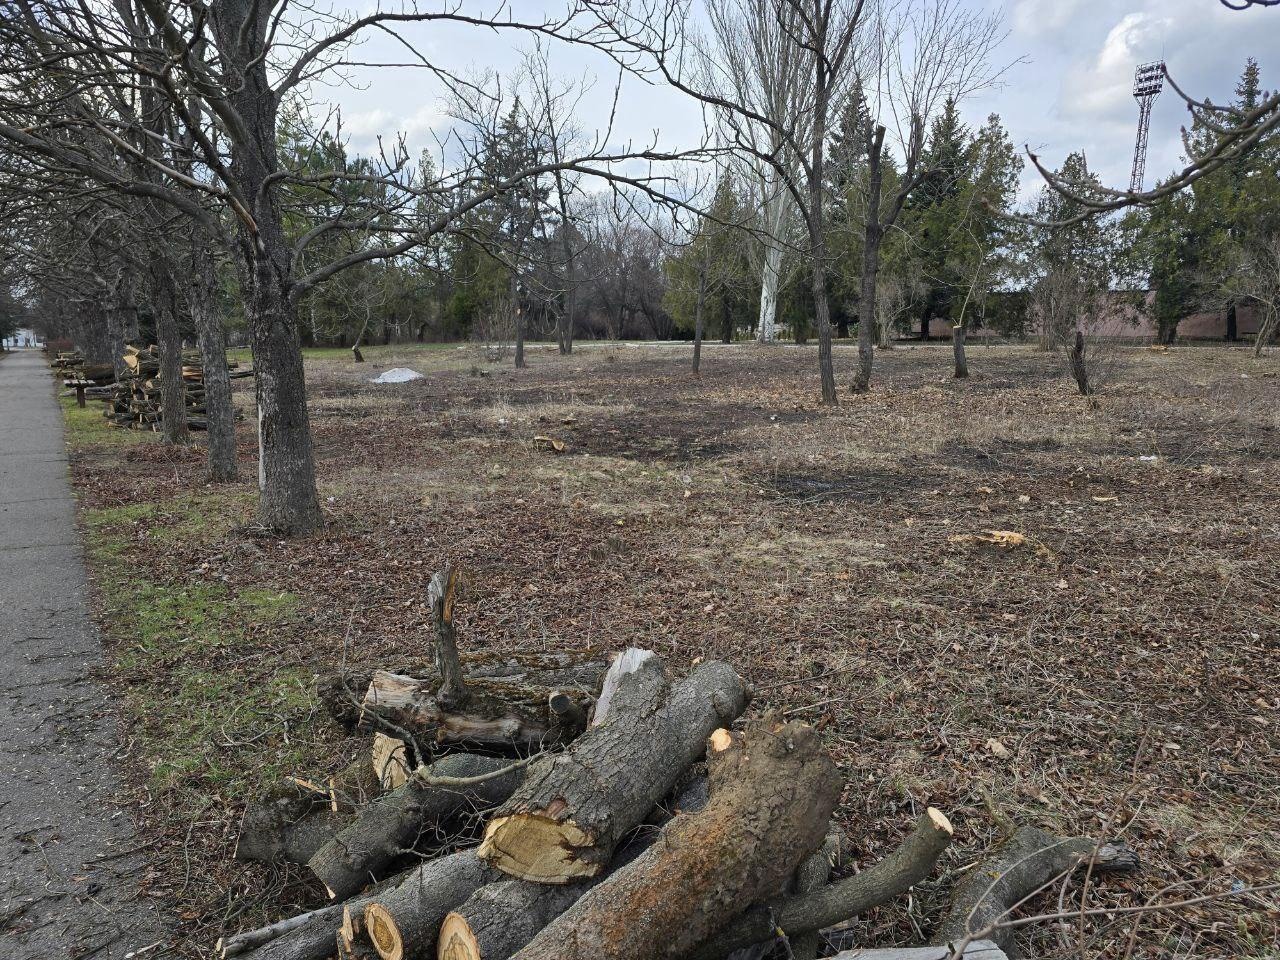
(1068, 85)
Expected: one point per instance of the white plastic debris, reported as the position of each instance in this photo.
(397, 375)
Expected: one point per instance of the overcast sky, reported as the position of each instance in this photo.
(1069, 89)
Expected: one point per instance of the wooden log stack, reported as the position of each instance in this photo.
(653, 825)
(134, 400)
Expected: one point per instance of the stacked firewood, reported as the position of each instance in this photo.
(134, 400)
(614, 812)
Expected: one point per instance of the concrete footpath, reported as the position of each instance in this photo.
(69, 860)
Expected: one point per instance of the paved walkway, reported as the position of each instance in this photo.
(68, 865)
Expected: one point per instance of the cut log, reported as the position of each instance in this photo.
(498, 919)
(772, 794)
(308, 936)
(289, 825)
(1018, 869)
(499, 712)
(405, 921)
(902, 869)
(626, 662)
(390, 761)
(565, 821)
(361, 852)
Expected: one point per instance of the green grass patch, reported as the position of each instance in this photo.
(86, 427)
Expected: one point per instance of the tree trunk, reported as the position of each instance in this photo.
(115, 336)
(698, 316)
(173, 400)
(772, 794)
(957, 349)
(770, 280)
(519, 318)
(1078, 362)
(574, 807)
(1232, 332)
(219, 410)
(874, 234)
(289, 503)
(286, 466)
(1266, 331)
(404, 922)
(360, 853)
(817, 232)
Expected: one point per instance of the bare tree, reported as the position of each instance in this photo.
(224, 71)
(948, 56)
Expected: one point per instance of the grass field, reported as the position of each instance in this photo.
(1113, 671)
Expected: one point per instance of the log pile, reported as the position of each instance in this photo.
(134, 400)
(555, 808)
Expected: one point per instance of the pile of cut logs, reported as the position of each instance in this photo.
(556, 808)
(134, 401)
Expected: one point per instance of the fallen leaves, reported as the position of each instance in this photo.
(998, 749)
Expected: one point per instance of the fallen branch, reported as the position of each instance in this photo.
(906, 866)
(360, 852)
(1018, 869)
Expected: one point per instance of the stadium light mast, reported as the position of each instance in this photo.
(1147, 84)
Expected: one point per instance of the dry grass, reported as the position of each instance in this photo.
(730, 515)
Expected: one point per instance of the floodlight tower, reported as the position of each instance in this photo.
(1147, 84)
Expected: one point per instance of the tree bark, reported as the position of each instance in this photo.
(519, 318)
(1079, 365)
(772, 793)
(404, 922)
(308, 936)
(219, 410)
(574, 807)
(360, 853)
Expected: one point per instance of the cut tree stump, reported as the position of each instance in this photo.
(404, 922)
(564, 823)
(359, 853)
(772, 795)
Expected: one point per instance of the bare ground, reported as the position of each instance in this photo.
(1123, 656)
